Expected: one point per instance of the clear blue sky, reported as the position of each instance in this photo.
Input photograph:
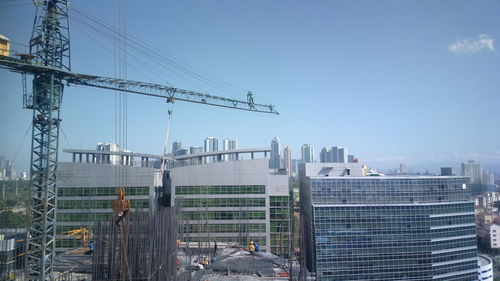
(413, 82)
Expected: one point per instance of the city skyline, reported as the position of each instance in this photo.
(409, 96)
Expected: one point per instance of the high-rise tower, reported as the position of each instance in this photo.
(229, 144)
(274, 162)
(287, 160)
(176, 146)
(211, 144)
(307, 153)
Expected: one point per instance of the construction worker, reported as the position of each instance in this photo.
(251, 248)
(250, 100)
(257, 247)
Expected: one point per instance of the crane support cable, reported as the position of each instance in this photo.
(153, 54)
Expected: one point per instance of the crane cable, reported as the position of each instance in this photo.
(20, 144)
(155, 55)
(165, 147)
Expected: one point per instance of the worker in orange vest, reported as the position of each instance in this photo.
(251, 248)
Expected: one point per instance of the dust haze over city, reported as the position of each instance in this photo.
(396, 88)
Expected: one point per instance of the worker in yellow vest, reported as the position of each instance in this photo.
(251, 248)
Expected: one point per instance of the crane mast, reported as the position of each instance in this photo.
(49, 46)
(49, 63)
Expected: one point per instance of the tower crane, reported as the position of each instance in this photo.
(49, 63)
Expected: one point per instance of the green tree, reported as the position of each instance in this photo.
(9, 219)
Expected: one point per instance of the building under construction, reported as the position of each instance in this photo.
(136, 248)
(227, 202)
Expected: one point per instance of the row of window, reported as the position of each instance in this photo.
(97, 204)
(388, 210)
(396, 231)
(376, 181)
(83, 217)
(279, 213)
(279, 226)
(459, 277)
(216, 228)
(100, 191)
(237, 240)
(279, 201)
(456, 255)
(224, 215)
(388, 191)
(221, 202)
(220, 189)
(456, 267)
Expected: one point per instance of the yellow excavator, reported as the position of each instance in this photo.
(86, 236)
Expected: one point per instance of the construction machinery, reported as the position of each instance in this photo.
(85, 236)
(49, 62)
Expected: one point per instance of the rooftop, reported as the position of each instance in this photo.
(483, 260)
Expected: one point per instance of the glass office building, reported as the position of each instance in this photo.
(233, 202)
(388, 228)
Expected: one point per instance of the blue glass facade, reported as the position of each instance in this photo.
(389, 228)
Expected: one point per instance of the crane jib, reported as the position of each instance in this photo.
(148, 89)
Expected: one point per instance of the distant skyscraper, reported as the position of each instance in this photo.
(488, 178)
(446, 171)
(335, 154)
(287, 160)
(403, 169)
(229, 144)
(9, 172)
(307, 153)
(195, 149)
(211, 144)
(339, 154)
(176, 146)
(295, 166)
(350, 158)
(481, 181)
(473, 170)
(325, 155)
(3, 164)
(274, 162)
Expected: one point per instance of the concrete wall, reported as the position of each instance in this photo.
(96, 175)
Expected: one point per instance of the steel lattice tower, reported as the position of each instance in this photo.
(49, 47)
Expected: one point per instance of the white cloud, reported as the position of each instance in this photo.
(472, 46)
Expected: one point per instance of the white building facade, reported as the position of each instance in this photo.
(233, 202)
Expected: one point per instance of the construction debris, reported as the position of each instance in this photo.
(242, 265)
